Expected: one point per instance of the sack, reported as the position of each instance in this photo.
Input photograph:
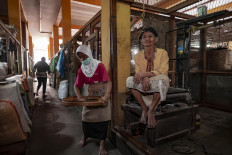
(3, 69)
(11, 127)
(63, 89)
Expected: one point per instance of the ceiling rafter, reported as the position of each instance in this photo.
(197, 6)
(93, 2)
(73, 26)
(182, 15)
(181, 5)
(167, 3)
(149, 8)
(223, 7)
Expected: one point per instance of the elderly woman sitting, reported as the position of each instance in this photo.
(150, 83)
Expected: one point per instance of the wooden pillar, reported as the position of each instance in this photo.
(123, 53)
(109, 47)
(51, 48)
(31, 47)
(14, 15)
(172, 50)
(49, 52)
(105, 29)
(118, 24)
(203, 51)
(76, 61)
(56, 38)
(66, 20)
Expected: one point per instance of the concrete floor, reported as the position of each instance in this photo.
(214, 137)
(57, 129)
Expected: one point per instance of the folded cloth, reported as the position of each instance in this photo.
(159, 83)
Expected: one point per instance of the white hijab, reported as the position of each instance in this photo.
(89, 69)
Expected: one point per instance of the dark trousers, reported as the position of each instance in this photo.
(40, 81)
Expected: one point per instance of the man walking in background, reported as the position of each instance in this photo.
(42, 68)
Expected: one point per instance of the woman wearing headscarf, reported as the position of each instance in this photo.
(94, 119)
(150, 83)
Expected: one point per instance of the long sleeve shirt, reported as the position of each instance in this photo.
(161, 65)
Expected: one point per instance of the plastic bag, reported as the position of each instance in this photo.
(63, 89)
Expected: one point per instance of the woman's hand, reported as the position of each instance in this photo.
(139, 76)
(105, 100)
(146, 84)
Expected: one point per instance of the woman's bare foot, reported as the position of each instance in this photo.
(82, 142)
(143, 118)
(151, 120)
(102, 150)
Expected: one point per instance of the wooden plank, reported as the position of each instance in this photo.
(113, 58)
(30, 47)
(167, 3)
(73, 26)
(66, 21)
(147, 7)
(92, 2)
(14, 16)
(182, 15)
(197, 5)
(154, 10)
(146, 150)
(51, 54)
(55, 39)
(172, 51)
(8, 31)
(203, 50)
(87, 24)
(219, 73)
(223, 7)
(80, 31)
(182, 5)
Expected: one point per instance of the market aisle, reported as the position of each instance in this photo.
(57, 129)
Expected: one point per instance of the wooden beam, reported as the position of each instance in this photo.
(23, 17)
(197, 6)
(152, 9)
(182, 15)
(56, 39)
(203, 50)
(123, 58)
(172, 50)
(73, 26)
(181, 5)
(31, 47)
(146, 7)
(168, 4)
(50, 55)
(223, 7)
(14, 15)
(66, 20)
(176, 14)
(93, 2)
